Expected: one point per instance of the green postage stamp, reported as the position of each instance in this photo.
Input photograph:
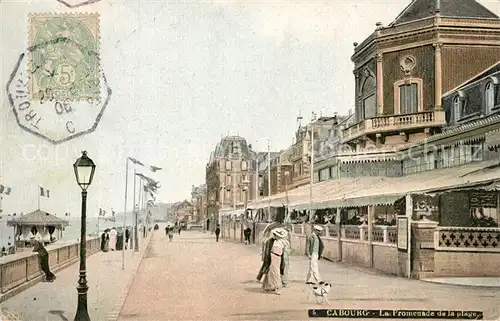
(65, 65)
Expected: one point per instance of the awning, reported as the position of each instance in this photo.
(387, 190)
(231, 212)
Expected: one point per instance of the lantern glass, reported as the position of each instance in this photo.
(84, 171)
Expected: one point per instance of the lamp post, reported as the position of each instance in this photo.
(84, 169)
(286, 174)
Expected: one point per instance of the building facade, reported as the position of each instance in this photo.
(183, 211)
(405, 74)
(231, 175)
(199, 201)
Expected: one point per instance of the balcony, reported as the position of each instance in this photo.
(394, 123)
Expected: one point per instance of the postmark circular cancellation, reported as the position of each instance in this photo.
(58, 90)
(76, 4)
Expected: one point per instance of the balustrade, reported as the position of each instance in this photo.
(473, 238)
(391, 122)
(22, 267)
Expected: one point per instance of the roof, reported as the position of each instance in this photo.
(38, 217)
(354, 192)
(483, 74)
(224, 148)
(460, 129)
(420, 9)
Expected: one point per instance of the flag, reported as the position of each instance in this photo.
(141, 175)
(5, 190)
(44, 192)
(154, 168)
(135, 161)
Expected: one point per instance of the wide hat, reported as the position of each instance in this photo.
(279, 232)
(318, 228)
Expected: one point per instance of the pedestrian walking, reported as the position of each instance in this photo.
(170, 234)
(287, 250)
(217, 233)
(247, 232)
(266, 247)
(105, 241)
(314, 250)
(112, 239)
(127, 237)
(43, 255)
(274, 264)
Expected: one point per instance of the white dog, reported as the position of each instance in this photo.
(320, 292)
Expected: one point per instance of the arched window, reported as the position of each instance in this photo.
(489, 96)
(368, 95)
(457, 108)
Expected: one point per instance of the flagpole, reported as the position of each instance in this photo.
(136, 229)
(269, 180)
(312, 172)
(38, 194)
(134, 212)
(125, 211)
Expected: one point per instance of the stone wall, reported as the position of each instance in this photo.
(435, 251)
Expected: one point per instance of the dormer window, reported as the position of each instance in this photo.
(235, 148)
(457, 108)
(489, 96)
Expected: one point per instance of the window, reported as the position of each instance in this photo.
(324, 174)
(243, 165)
(476, 153)
(229, 180)
(457, 108)
(228, 165)
(367, 101)
(408, 98)
(489, 96)
(369, 107)
(235, 148)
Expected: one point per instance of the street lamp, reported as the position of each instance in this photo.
(84, 169)
(286, 174)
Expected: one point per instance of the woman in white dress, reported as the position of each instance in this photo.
(274, 264)
(112, 239)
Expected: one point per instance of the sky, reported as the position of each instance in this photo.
(184, 74)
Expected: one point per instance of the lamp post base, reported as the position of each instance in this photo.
(82, 313)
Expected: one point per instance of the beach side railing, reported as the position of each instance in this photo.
(23, 267)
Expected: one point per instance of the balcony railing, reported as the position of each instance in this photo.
(394, 123)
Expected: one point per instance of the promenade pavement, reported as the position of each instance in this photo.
(57, 301)
(195, 278)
